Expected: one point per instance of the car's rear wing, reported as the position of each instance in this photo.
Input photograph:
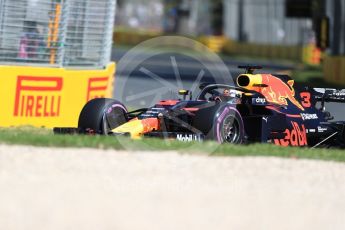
(330, 95)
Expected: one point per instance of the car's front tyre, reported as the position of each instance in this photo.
(101, 115)
(229, 126)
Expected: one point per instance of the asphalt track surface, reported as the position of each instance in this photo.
(142, 82)
(54, 189)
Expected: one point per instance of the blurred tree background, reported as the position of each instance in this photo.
(308, 31)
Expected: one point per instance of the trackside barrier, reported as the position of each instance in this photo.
(214, 43)
(54, 57)
(262, 50)
(308, 54)
(130, 37)
(334, 69)
(49, 97)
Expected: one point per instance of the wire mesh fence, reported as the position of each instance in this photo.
(65, 33)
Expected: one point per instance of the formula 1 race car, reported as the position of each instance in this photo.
(262, 108)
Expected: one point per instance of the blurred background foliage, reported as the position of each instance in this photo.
(304, 31)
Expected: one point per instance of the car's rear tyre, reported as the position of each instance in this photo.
(101, 115)
(229, 127)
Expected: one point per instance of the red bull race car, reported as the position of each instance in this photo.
(262, 108)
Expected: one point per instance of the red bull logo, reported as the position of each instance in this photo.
(38, 96)
(297, 136)
(278, 91)
(274, 89)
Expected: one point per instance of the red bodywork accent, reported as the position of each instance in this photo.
(168, 102)
(150, 124)
(287, 114)
(191, 109)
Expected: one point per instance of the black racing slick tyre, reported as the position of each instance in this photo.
(228, 126)
(101, 115)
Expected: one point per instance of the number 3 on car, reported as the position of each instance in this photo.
(305, 96)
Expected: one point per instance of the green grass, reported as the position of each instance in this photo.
(45, 137)
(313, 76)
(310, 75)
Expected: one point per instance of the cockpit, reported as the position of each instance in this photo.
(220, 93)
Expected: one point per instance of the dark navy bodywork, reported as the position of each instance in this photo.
(262, 108)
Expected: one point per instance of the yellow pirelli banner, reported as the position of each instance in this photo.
(49, 97)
